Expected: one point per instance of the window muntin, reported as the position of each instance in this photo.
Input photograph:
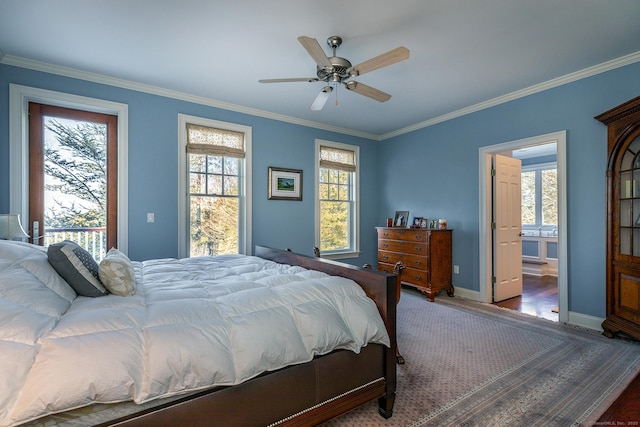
(337, 198)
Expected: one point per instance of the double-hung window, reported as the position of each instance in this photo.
(540, 196)
(216, 187)
(337, 199)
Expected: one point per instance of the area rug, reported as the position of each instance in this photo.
(475, 364)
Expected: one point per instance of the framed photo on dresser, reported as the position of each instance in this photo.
(400, 219)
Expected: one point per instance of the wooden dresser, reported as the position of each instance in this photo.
(424, 256)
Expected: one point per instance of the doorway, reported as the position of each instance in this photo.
(486, 200)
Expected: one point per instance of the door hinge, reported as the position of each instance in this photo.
(493, 225)
(493, 172)
(493, 279)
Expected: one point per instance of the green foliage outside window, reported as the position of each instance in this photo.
(335, 204)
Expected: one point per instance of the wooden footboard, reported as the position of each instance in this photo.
(299, 395)
(380, 287)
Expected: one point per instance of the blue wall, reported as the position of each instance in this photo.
(432, 172)
(153, 167)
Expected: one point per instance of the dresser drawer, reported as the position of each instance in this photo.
(415, 277)
(406, 234)
(386, 268)
(408, 260)
(417, 248)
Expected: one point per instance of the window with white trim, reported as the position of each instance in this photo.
(337, 199)
(539, 188)
(216, 187)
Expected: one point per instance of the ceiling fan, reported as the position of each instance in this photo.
(335, 70)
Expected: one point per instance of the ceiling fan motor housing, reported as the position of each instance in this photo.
(338, 72)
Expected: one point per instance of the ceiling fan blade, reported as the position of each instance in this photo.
(369, 91)
(296, 79)
(315, 51)
(321, 99)
(395, 55)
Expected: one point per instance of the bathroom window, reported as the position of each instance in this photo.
(540, 196)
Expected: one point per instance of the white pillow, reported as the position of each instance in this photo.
(117, 274)
(33, 258)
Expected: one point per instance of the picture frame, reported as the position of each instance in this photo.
(433, 223)
(424, 222)
(416, 222)
(400, 219)
(285, 184)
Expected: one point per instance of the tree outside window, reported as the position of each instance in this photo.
(337, 198)
(539, 187)
(216, 163)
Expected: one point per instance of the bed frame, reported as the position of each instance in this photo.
(306, 394)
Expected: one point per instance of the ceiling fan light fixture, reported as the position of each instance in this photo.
(321, 99)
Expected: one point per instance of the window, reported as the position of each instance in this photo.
(540, 195)
(337, 199)
(216, 185)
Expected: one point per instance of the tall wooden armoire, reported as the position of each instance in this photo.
(623, 219)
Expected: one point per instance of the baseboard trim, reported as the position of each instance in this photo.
(585, 321)
(575, 319)
(467, 294)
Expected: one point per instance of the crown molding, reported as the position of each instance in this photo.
(154, 90)
(127, 84)
(568, 78)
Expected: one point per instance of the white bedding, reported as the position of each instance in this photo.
(191, 324)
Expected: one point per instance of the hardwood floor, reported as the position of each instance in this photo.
(539, 298)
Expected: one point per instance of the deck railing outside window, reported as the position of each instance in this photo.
(94, 240)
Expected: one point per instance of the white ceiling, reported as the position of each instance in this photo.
(463, 52)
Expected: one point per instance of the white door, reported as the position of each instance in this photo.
(507, 246)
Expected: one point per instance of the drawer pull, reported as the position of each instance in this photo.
(417, 277)
(385, 257)
(385, 245)
(418, 263)
(385, 234)
(418, 248)
(400, 243)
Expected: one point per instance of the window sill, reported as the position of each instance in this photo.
(341, 255)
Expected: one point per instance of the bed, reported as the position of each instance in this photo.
(152, 354)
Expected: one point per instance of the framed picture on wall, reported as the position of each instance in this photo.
(400, 219)
(285, 184)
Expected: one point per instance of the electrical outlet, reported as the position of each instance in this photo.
(456, 269)
(151, 217)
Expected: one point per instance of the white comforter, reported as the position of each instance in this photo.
(191, 324)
